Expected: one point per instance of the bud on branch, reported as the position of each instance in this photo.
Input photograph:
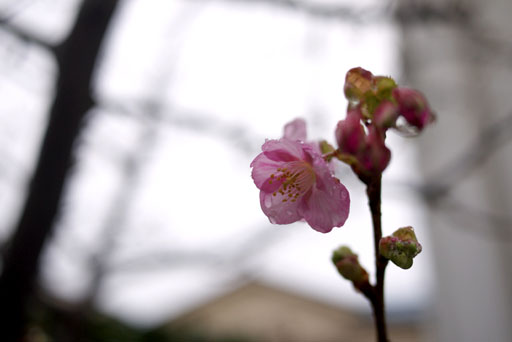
(348, 266)
(401, 247)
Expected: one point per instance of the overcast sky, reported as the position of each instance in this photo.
(222, 76)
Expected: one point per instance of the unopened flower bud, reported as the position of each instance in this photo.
(414, 107)
(401, 247)
(376, 156)
(368, 105)
(350, 134)
(348, 266)
(384, 86)
(357, 82)
(385, 115)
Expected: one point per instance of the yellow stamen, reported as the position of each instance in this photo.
(297, 178)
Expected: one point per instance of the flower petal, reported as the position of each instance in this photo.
(283, 150)
(295, 130)
(328, 204)
(278, 210)
(262, 169)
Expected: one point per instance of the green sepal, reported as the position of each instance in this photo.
(384, 87)
(401, 247)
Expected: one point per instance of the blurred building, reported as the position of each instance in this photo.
(259, 312)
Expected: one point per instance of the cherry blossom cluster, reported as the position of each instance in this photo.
(294, 175)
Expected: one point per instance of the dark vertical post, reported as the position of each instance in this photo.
(76, 58)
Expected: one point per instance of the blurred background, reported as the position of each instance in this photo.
(127, 210)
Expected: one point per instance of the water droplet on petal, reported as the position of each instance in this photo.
(268, 201)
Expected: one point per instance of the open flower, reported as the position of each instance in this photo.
(296, 183)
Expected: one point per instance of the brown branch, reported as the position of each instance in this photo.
(373, 190)
(76, 59)
(407, 14)
(423, 12)
(239, 136)
(410, 13)
(476, 220)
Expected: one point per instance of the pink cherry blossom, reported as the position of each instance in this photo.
(296, 183)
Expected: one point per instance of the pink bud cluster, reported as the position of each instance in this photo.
(375, 105)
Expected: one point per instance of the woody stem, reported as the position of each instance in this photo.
(373, 191)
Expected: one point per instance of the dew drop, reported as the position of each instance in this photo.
(268, 202)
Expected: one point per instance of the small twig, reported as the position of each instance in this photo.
(423, 12)
(10, 12)
(24, 36)
(489, 140)
(239, 136)
(476, 220)
(414, 13)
